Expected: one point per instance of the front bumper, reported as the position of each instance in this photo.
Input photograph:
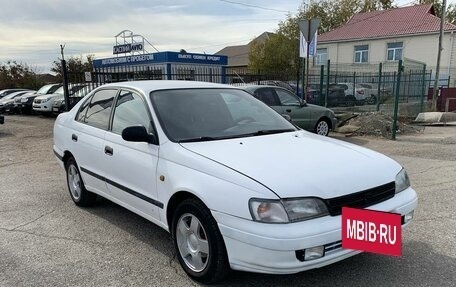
(271, 248)
(43, 107)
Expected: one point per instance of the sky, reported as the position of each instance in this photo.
(31, 31)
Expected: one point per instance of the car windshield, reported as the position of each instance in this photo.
(13, 95)
(82, 92)
(188, 115)
(72, 89)
(44, 89)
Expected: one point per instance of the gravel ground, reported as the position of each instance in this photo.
(45, 240)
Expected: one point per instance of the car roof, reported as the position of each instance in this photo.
(154, 85)
(254, 87)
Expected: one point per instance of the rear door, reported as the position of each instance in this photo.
(87, 138)
(131, 177)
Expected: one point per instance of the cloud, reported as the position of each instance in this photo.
(31, 31)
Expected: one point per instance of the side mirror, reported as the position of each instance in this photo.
(138, 134)
(303, 103)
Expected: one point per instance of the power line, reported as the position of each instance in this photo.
(255, 6)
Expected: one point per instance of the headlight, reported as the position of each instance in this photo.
(305, 208)
(287, 210)
(270, 211)
(402, 181)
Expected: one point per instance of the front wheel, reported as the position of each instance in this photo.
(322, 127)
(198, 242)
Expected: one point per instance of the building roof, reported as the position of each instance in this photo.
(417, 19)
(238, 56)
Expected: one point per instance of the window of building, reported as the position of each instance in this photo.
(322, 56)
(361, 54)
(394, 51)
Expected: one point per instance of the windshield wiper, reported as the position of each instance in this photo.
(270, 132)
(198, 139)
(257, 133)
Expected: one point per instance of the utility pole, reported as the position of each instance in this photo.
(439, 54)
(66, 93)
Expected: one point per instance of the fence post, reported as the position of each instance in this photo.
(298, 76)
(322, 76)
(380, 67)
(423, 89)
(396, 98)
(304, 92)
(66, 93)
(327, 84)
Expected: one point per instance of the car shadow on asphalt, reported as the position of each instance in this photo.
(135, 225)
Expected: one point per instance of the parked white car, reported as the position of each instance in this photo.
(360, 93)
(236, 184)
(44, 103)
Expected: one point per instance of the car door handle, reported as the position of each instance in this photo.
(288, 110)
(74, 137)
(109, 150)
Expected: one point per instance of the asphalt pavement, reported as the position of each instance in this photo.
(45, 240)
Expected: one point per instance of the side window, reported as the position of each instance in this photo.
(287, 98)
(267, 96)
(130, 110)
(99, 109)
(83, 110)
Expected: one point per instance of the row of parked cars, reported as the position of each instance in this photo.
(49, 99)
(348, 94)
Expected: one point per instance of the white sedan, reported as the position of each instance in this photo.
(236, 185)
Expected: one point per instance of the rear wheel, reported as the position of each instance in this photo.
(79, 194)
(322, 127)
(198, 242)
(372, 100)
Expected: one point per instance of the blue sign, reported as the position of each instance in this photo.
(162, 57)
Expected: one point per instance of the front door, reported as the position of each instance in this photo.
(132, 178)
(291, 105)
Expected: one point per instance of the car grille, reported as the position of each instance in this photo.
(361, 199)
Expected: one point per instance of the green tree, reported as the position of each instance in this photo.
(450, 9)
(18, 75)
(76, 66)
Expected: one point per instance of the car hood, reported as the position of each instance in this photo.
(39, 97)
(299, 163)
(5, 102)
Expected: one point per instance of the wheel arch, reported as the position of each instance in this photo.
(174, 201)
(66, 156)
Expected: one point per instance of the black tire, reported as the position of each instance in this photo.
(83, 197)
(216, 266)
(351, 101)
(372, 100)
(322, 127)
